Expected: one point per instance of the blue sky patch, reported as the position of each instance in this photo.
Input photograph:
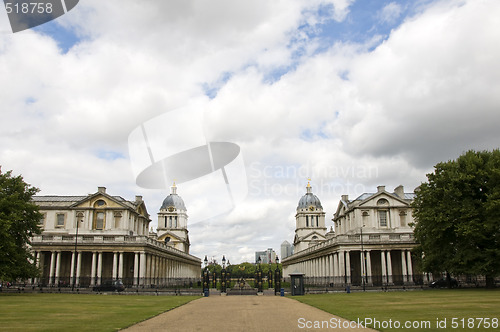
(65, 38)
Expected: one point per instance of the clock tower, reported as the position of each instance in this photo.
(172, 222)
(310, 226)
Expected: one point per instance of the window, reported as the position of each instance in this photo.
(60, 220)
(382, 201)
(382, 217)
(307, 221)
(317, 221)
(99, 220)
(175, 222)
(41, 223)
(100, 203)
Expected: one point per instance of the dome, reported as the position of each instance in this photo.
(309, 199)
(173, 200)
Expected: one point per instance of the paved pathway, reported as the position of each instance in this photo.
(243, 313)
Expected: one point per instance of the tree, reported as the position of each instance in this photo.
(457, 215)
(19, 219)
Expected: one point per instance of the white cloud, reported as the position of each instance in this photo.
(351, 117)
(390, 13)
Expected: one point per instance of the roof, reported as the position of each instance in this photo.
(308, 200)
(67, 201)
(175, 201)
(362, 197)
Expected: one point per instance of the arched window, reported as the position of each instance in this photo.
(383, 202)
(99, 203)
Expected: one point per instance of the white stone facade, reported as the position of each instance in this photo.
(371, 244)
(87, 240)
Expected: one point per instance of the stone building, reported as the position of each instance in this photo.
(88, 240)
(371, 243)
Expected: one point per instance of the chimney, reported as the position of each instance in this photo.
(400, 191)
(138, 198)
(345, 198)
(101, 190)
(380, 189)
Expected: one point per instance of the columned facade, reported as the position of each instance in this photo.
(371, 245)
(89, 240)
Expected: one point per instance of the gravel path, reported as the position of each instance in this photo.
(245, 313)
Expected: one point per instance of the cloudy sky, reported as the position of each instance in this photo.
(350, 93)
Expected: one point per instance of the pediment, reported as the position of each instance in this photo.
(314, 236)
(392, 199)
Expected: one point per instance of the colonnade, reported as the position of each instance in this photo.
(138, 268)
(354, 266)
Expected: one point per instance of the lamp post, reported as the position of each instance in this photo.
(363, 261)
(277, 277)
(223, 275)
(206, 277)
(259, 276)
(75, 256)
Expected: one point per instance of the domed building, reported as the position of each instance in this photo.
(172, 222)
(310, 226)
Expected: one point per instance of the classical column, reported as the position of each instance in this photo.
(331, 272)
(403, 267)
(136, 268)
(335, 268)
(363, 267)
(384, 267)
(410, 268)
(99, 268)
(52, 266)
(348, 266)
(72, 268)
(154, 276)
(142, 270)
(115, 264)
(341, 266)
(120, 266)
(37, 262)
(58, 266)
(389, 268)
(92, 272)
(369, 267)
(78, 267)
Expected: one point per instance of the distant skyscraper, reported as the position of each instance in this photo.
(286, 249)
(266, 257)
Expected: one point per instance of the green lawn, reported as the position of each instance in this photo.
(73, 312)
(461, 308)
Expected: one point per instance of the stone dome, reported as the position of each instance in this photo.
(173, 200)
(309, 199)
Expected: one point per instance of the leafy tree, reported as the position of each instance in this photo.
(457, 215)
(19, 219)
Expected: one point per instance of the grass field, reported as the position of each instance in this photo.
(73, 312)
(454, 310)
